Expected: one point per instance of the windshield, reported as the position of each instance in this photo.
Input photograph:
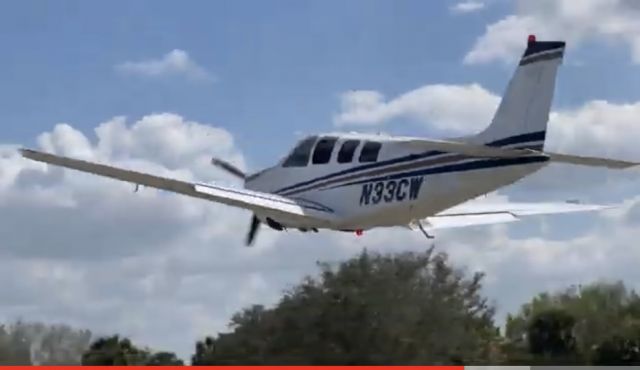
(299, 157)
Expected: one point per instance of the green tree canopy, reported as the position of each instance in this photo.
(164, 359)
(114, 351)
(411, 308)
(599, 314)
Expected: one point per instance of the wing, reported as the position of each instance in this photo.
(242, 198)
(483, 214)
(590, 161)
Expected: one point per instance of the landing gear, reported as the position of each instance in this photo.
(426, 234)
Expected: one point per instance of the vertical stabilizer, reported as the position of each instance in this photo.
(521, 118)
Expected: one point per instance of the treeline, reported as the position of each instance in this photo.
(409, 308)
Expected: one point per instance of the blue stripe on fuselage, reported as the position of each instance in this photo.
(522, 138)
(459, 167)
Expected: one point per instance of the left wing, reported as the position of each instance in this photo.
(248, 199)
(483, 214)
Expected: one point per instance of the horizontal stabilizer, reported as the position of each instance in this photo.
(472, 150)
(590, 161)
(476, 150)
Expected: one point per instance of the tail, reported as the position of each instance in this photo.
(521, 118)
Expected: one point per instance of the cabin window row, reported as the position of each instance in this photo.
(320, 151)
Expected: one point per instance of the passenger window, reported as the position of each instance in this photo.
(300, 155)
(322, 153)
(345, 155)
(370, 151)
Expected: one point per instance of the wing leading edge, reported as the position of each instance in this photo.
(251, 200)
(484, 214)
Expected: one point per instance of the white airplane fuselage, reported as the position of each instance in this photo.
(404, 184)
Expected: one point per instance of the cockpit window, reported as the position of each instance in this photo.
(322, 152)
(348, 148)
(370, 151)
(300, 155)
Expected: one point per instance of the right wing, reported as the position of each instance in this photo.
(248, 199)
(483, 214)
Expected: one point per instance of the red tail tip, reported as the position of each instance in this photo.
(531, 39)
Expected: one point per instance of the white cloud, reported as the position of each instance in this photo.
(449, 107)
(467, 7)
(574, 21)
(142, 260)
(175, 63)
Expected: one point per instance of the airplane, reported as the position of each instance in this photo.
(356, 182)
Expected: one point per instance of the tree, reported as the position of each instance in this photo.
(617, 350)
(14, 347)
(551, 333)
(118, 351)
(599, 315)
(114, 351)
(164, 359)
(412, 308)
(204, 351)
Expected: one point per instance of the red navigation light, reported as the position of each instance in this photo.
(531, 39)
(359, 232)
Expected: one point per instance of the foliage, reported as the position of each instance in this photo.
(620, 349)
(114, 351)
(579, 325)
(164, 359)
(373, 309)
(409, 308)
(117, 351)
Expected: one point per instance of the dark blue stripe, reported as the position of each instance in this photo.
(542, 46)
(300, 190)
(461, 167)
(532, 136)
(540, 135)
(406, 158)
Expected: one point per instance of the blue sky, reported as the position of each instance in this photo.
(242, 80)
(279, 65)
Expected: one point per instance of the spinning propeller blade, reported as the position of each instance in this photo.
(253, 229)
(228, 167)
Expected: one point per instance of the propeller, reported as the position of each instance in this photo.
(253, 230)
(254, 226)
(235, 171)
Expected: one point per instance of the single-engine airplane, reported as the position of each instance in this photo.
(356, 182)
